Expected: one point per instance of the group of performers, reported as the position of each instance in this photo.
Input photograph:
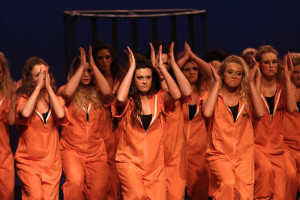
(164, 126)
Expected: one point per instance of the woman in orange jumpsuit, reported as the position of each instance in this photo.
(230, 149)
(39, 112)
(194, 125)
(83, 150)
(291, 133)
(140, 153)
(108, 63)
(7, 117)
(278, 97)
(175, 144)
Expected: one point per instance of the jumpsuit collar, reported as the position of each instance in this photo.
(241, 107)
(277, 98)
(153, 107)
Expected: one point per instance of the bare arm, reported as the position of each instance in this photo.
(122, 95)
(11, 115)
(182, 81)
(155, 61)
(56, 105)
(208, 105)
(73, 83)
(173, 89)
(101, 81)
(258, 106)
(258, 76)
(202, 65)
(186, 56)
(291, 104)
(27, 109)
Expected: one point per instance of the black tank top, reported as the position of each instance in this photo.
(234, 111)
(146, 119)
(192, 111)
(270, 101)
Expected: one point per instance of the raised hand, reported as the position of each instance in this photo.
(82, 57)
(47, 80)
(171, 53)
(288, 66)
(131, 59)
(254, 74)
(153, 57)
(41, 79)
(215, 75)
(91, 59)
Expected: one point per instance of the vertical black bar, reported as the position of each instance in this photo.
(174, 31)
(114, 33)
(154, 29)
(135, 43)
(191, 31)
(66, 42)
(73, 38)
(204, 34)
(94, 28)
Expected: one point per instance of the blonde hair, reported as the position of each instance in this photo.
(6, 82)
(295, 58)
(84, 94)
(269, 49)
(243, 89)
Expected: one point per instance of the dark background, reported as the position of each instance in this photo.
(36, 28)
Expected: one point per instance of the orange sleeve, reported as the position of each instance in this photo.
(19, 104)
(115, 109)
(186, 99)
(204, 96)
(6, 107)
(65, 120)
(60, 89)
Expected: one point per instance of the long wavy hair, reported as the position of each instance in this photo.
(116, 69)
(6, 82)
(243, 89)
(28, 85)
(141, 63)
(269, 49)
(84, 94)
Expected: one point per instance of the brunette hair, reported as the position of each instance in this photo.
(6, 82)
(28, 85)
(141, 63)
(116, 69)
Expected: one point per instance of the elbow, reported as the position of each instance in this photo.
(187, 92)
(176, 96)
(60, 115)
(121, 99)
(11, 122)
(24, 114)
(291, 109)
(260, 114)
(206, 114)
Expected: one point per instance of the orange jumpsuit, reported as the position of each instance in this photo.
(7, 171)
(197, 167)
(140, 153)
(175, 152)
(270, 177)
(38, 158)
(291, 132)
(111, 142)
(84, 156)
(230, 152)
